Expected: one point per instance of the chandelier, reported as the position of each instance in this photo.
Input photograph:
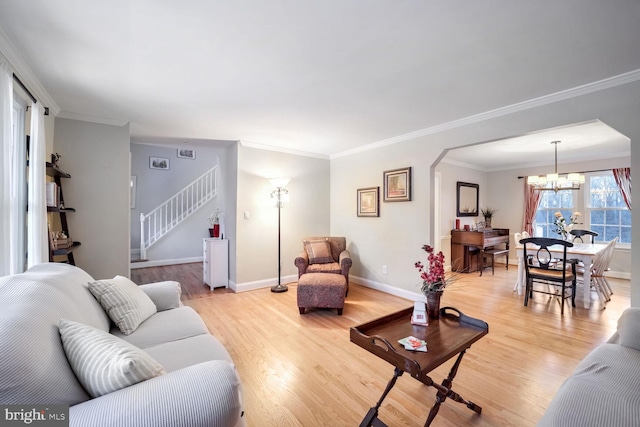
(555, 181)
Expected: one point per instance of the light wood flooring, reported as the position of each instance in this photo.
(302, 370)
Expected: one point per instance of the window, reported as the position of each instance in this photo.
(550, 203)
(607, 213)
(601, 203)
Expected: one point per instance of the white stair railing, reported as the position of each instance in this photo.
(161, 220)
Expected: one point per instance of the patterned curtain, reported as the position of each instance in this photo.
(531, 201)
(623, 179)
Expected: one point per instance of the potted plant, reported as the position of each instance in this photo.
(214, 223)
(433, 280)
(487, 213)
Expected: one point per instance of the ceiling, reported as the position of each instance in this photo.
(578, 142)
(322, 77)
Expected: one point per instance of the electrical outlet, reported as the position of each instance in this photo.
(384, 269)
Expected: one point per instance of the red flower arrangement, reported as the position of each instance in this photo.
(433, 278)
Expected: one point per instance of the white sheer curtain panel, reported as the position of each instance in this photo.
(37, 231)
(6, 125)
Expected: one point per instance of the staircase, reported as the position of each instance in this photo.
(161, 220)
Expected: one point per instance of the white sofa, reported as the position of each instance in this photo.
(604, 389)
(200, 387)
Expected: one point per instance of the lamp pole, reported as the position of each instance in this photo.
(279, 287)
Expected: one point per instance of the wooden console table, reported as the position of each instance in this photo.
(447, 337)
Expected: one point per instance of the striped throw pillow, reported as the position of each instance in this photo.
(125, 303)
(102, 362)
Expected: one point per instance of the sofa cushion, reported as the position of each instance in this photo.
(600, 392)
(104, 363)
(126, 304)
(179, 354)
(34, 366)
(319, 251)
(208, 394)
(165, 326)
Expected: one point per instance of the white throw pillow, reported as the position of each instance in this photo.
(102, 362)
(125, 303)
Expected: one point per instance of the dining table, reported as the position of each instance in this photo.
(585, 252)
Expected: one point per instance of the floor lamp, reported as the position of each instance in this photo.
(280, 195)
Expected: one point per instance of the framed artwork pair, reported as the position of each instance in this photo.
(397, 188)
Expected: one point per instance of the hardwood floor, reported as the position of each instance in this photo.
(302, 370)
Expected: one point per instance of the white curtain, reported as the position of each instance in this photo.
(37, 230)
(6, 126)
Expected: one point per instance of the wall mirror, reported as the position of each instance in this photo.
(467, 199)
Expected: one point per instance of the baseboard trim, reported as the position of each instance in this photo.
(260, 284)
(159, 263)
(387, 289)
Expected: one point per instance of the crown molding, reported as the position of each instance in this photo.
(92, 119)
(283, 150)
(610, 82)
(23, 71)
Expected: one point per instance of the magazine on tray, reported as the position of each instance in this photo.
(413, 344)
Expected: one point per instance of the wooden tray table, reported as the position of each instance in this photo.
(446, 337)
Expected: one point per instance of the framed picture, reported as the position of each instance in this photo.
(397, 185)
(186, 153)
(369, 201)
(159, 163)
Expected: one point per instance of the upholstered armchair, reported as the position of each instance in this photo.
(324, 255)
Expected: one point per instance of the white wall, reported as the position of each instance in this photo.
(451, 174)
(155, 186)
(97, 158)
(231, 202)
(307, 213)
(395, 238)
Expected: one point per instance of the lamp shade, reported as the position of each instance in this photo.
(279, 182)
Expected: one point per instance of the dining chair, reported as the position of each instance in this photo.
(607, 262)
(583, 235)
(596, 284)
(600, 265)
(542, 269)
(516, 239)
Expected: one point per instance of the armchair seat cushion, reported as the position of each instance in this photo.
(330, 267)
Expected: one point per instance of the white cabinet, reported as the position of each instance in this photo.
(215, 262)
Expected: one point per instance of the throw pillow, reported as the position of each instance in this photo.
(319, 251)
(102, 362)
(125, 303)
